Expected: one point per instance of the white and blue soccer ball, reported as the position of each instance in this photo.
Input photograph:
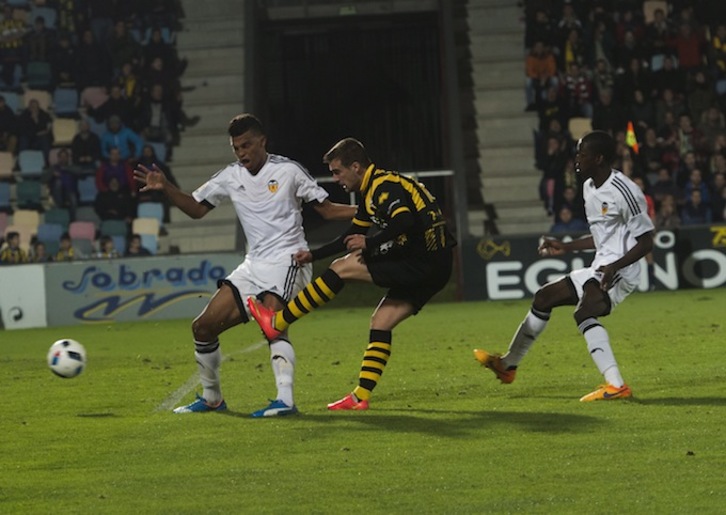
(67, 358)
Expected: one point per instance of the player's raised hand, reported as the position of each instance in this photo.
(550, 247)
(151, 179)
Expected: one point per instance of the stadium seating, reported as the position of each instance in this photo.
(87, 190)
(579, 126)
(30, 195)
(49, 233)
(82, 230)
(84, 247)
(5, 205)
(148, 229)
(43, 97)
(65, 102)
(38, 75)
(151, 210)
(7, 163)
(31, 163)
(26, 217)
(64, 129)
(87, 214)
(58, 215)
(4, 221)
(12, 99)
(93, 96)
(114, 228)
(49, 14)
(159, 149)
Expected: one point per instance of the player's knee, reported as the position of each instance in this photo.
(541, 301)
(202, 331)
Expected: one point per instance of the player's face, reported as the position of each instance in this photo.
(585, 160)
(250, 150)
(348, 177)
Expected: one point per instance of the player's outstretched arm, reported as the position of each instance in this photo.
(335, 211)
(154, 179)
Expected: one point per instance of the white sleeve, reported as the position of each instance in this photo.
(214, 190)
(308, 188)
(637, 221)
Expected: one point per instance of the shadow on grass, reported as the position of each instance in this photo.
(682, 401)
(447, 422)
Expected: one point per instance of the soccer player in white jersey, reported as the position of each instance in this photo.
(621, 233)
(267, 191)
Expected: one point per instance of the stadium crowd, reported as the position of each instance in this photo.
(88, 89)
(653, 74)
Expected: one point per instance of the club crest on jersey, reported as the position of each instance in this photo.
(273, 186)
(604, 208)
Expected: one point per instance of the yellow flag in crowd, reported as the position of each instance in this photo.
(630, 138)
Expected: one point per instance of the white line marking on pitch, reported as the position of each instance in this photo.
(190, 384)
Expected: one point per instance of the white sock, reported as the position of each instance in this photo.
(209, 358)
(530, 328)
(598, 343)
(282, 360)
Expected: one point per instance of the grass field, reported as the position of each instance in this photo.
(442, 435)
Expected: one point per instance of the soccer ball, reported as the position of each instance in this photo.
(66, 358)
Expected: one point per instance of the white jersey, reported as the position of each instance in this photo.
(268, 205)
(617, 214)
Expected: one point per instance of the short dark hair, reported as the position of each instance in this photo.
(245, 122)
(349, 151)
(12, 234)
(602, 144)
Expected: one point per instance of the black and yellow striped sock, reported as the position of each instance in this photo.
(374, 361)
(317, 293)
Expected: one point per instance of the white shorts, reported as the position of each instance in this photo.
(252, 278)
(620, 289)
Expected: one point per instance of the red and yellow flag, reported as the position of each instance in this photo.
(630, 138)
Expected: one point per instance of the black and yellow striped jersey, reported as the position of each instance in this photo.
(13, 256)
(407, 214)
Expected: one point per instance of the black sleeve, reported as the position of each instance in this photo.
(337, 245)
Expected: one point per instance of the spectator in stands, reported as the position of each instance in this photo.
(552, 107)
(668, 102)
(66, 252)
(701, 96)
(128, 142)
(101, 16)
(115, 167)
(718, 199)
(573, 51)
(578, 92)
(641, 112)
(651, 154)
(690, 139)
(155, 118)
(696, 182)
(63, 183)
(541, 70)
(40, 253)
(669, 76)
(115, 203)
(602, 48)
(634, 77)
(602, 77)
(608, 115)
(131, 84)
(687, 164)
(717, 52)
(9, 127)
(717, 163)
(629, 22)
(86, 148)
(667, 133)
(157, 48)
(666, 217)
(552, 164)
(134, 247)
(688, 45)
(568, 224)
(570, 198)
(712, 124)
(12, 254)
(115, 105)
(93, 64)
(39, 42)
(106, 248)
(35, 129)
(696, 211)
(12, 47)
(628, 51)
(568, 22)
(657, 35)
(63, 62)
(149, 159)
(541, 28)
(664, 186)
(123, 48)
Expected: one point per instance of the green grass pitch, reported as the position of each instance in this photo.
(442, 435)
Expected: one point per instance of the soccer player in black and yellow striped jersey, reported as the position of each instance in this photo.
(398, 240)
